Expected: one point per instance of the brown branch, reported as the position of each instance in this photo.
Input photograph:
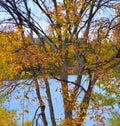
(113, 65)
(35, 115)
(105, 62)
(71, 82)
(43, 10)
(55, 4)
(86, 100)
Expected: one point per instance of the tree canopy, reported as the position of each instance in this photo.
(81, 37)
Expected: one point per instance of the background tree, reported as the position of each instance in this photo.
(80, 39)
(7, 117)
(115, 119)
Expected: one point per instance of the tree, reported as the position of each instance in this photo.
(80, 39)
(7, 117)
(115, 119)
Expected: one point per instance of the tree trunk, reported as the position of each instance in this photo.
(65, 91)
(41, 103)
(86, 100)
(52, 116)
(67, 108)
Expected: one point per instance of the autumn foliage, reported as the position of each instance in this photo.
(79, 40)
(7, 118)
